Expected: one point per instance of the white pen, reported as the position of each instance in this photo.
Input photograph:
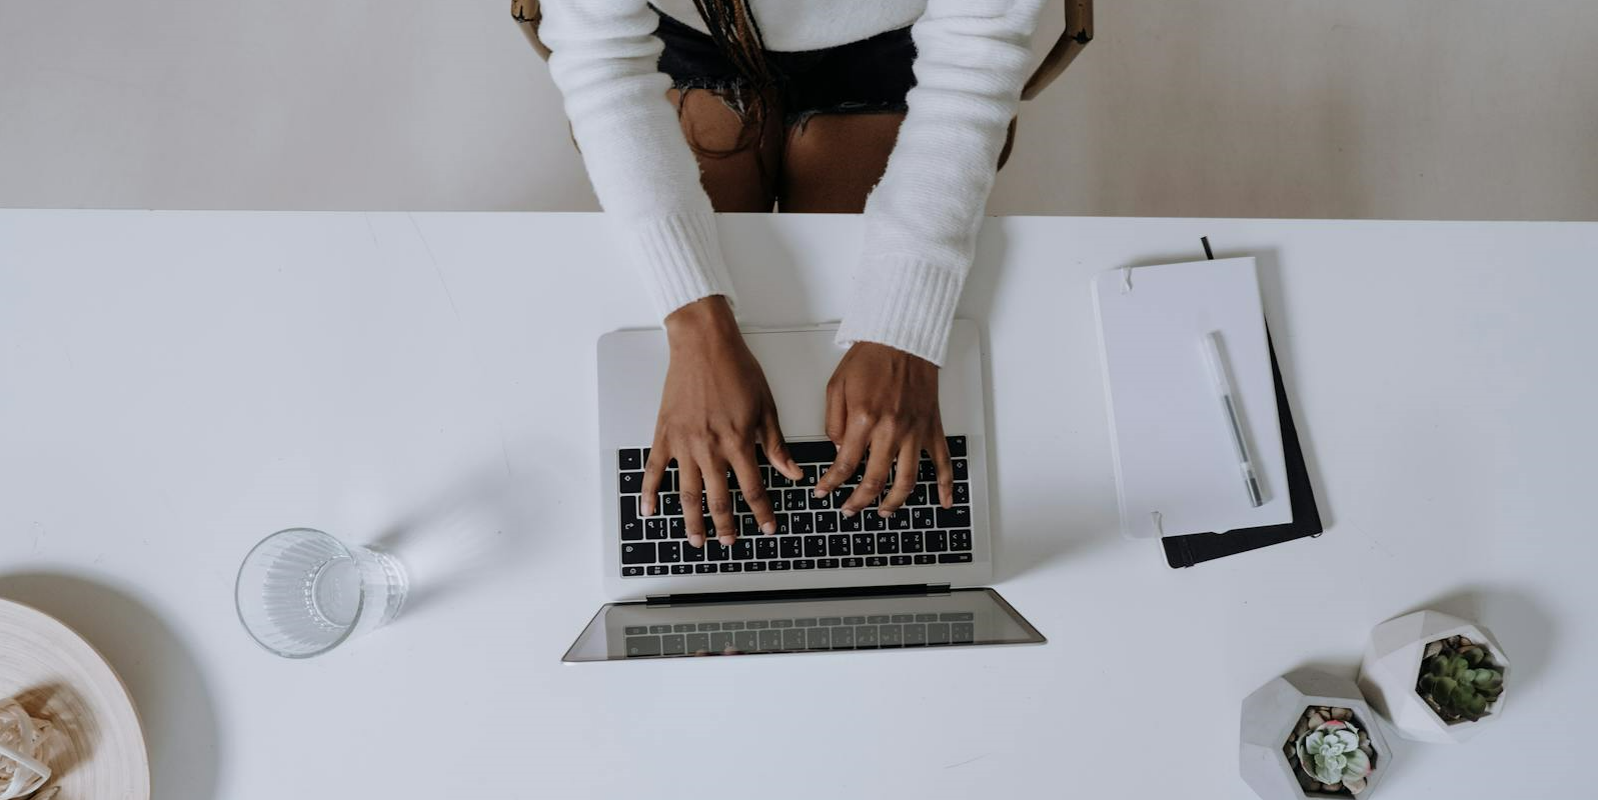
(1221, 377)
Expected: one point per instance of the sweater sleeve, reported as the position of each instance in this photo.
(922, 219)
(603, 58)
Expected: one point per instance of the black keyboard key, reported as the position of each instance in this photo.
(670, 552)
(957, 517)
(779, 566)
(632, 528)
(782, 524)
(794, 500)
(801, 522)
(903, 618)
(812, 475)
(731, 566)
(743, 549)
(910, 542)
(793, 639)
(821, 452)
(710, 626)
(959, 540)
(672, 645)
(782, 623)
(842, 637)
(865, 544)
(962, 494)
(890, 635)
(791, 547)
(937, 633)
(682, 569)
(716, 551)
(654, 528)
(877, 619)
(804, 563)
(900, 521)
(887, 543)
(805, 622)
(937, 541)
(921, 518)
(740, 504)
(920, 496)
(961, 472)
(826, 522)
(704, 569)
(657, 569)
(956, 446)
(821, 503)
(770, 640)
(899, 561)
(818, 639)
(838, 545)
(631, 459)
(957, 616)
(748, 525)
(692, 554)
(854, 620)
(962, 632)
(826, 563)
(631, 482)
(777, 480)
(638, 553)
(873, 521)
(745, 641)
(766, 547)
(720, 642)
(926, 618)
(849, 524)
(915, 635)
(925, 558)
(640, 646)
(839, 497)
(954, 558)
(675, 528)
(876, 561)
(865, 636)
(926, 471)
(851, 563)
(829, 622)
(754, 566)
(671, 504)
(697, 642)
(635, 630)
(757, 624)
(815, 546)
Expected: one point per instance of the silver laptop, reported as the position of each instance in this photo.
(823, 582)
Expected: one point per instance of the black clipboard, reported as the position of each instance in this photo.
(1196, 548)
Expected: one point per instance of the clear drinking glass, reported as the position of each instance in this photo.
(302, 592)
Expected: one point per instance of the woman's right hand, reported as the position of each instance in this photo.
(714, 409)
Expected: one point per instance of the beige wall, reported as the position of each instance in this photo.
(1355, 108)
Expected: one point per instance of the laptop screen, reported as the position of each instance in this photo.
(958, 618)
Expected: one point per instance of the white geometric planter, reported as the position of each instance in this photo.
(1391, 668)
(1272, 712)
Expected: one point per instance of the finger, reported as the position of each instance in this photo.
(945, 467)
(691, 488)
(653, 472)
(837, 415)
(748, 472)
(776, 448)
(876, 478)
(850, 451)
(719, 500)
(904, 479)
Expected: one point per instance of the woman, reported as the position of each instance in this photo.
(895, 107)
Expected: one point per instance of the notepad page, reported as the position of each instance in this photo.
(1176, 468)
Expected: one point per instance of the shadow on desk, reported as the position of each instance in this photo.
(171, 694)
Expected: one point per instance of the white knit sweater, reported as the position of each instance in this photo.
(922, 218)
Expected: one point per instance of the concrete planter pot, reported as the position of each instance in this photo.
(1272, 713)
(1391, 667)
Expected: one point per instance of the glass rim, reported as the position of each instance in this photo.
(238, 605)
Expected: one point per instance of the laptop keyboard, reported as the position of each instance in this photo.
(864, 632)
(811, 534)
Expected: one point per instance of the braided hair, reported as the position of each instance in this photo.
(732, 25)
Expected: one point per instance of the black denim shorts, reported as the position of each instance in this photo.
(869, 76)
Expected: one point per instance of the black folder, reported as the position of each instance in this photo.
(1196, 548)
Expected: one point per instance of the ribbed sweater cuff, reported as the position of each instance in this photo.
(681, 258)
(904, 303)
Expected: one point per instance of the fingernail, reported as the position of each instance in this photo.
(884, 513)
(729, 540)
(819, 492)
(848, 513)
(696, 540)
(769, 527)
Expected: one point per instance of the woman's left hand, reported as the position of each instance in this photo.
(884, 402)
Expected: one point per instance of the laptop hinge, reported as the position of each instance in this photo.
(778, 595)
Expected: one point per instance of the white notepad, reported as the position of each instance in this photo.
(1176, 469)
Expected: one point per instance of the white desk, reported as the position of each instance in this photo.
(173, 386)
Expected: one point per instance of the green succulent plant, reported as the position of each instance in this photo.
(1459, 680)
(1331, 754)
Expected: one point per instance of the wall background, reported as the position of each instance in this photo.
(1284, 108)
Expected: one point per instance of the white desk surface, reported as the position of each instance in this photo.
(174, 386)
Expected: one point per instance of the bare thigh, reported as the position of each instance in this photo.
(831, 162)
(738, 161)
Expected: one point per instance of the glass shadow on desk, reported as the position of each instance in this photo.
(957, 618)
